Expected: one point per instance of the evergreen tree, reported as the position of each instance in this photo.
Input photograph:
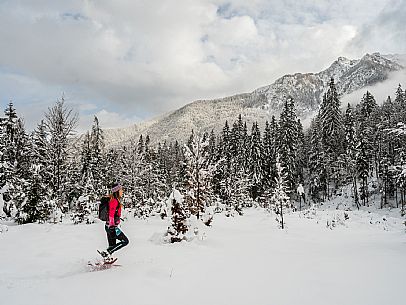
(20, 169)
(35, 207)
(288, 142)
(317, 170)
(199, 175)
(15, 156)
(368, 122)
(179, 226)
(351, 150)
(11, 120)
(302, 152)
(256, 167)
(280, 200)
(86, 158)
(40, 154)
(60, 123)
(140, 146)
(362, 168)
(400, 104)
(97, 160)
(3, 157)
(269, 156)
(9, 149)
(222, 171)
(332, 135)
(226, 144)
(239, 192)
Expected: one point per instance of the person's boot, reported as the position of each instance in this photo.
(106, 255)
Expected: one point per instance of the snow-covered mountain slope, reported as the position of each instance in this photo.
(308, 89)
(116, 136)
(259, 105)
(398, 58)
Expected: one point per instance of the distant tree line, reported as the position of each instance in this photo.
(362, 148)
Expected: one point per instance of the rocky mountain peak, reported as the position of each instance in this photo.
(307, 90)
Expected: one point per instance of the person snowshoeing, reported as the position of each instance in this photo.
(114, 233)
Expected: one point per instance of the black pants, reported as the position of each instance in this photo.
(113, 234)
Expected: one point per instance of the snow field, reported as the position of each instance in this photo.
(241, 260)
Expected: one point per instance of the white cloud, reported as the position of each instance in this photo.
(106, 119)
(142, 58)
(380, 91)
(386, 33)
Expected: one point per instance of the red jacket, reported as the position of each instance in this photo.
(114, 217)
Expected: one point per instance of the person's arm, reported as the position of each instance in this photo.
(112, 210)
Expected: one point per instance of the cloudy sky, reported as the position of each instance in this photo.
(127, 60)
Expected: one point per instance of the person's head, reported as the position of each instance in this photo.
(117, 190)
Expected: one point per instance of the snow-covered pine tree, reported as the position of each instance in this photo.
(163, 170)
(113, 164)
(8, 150)
(84, 187)
(155, 179)
(332, 135)
(36, 205)
(140, 145)
(256, 167)
(15, 163)
(237, 145)
(86, 156)
(368, 122)
(400, 104)
(317, 171)
(399, 167)
(362, 165)
(19, 185)
(40, 153)
(401, 182)
(11, 120)
(288, 142)
(280, 200)
(199, 175)
(385, 151)
(220, 180)
(60, 123)
(3, 162)
(179, 226)
(240, 191)
(97, 160)
(176, 169)
(269, 143)
(93, 162)
(212, 148)
(133, 163)
(226, 144)
(302, 152)
(351, 152)
(83, 211)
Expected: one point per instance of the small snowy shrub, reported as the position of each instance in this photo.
(3, 228)
(337, 220)
(83, 213)
(176, 232)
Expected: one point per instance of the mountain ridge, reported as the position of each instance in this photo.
(307, 90)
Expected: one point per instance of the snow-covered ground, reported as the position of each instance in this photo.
(241, 260)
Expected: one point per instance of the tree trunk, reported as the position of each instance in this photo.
(356, 192)
(281, 215)
(396, 196)
(300, 202)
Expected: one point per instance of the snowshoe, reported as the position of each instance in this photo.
(102, 264)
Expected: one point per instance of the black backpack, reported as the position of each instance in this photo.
(104, 208)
